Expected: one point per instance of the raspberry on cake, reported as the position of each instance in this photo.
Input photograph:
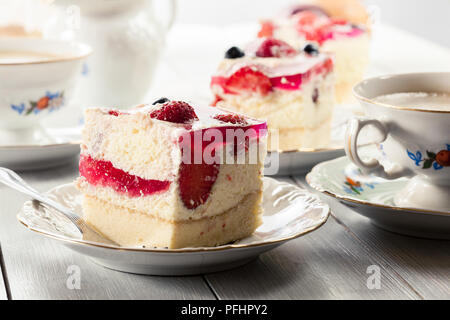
(291, 89)
(160, 175)
(346, 41)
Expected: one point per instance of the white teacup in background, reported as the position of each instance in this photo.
(416, 139)
(37, 77)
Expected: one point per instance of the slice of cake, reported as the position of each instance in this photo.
(291, 89)
(170, 175)
(347, 42)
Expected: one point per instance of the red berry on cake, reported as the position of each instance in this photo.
(176, 112)
(231, 118)
(274, 48)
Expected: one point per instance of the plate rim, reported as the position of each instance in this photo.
(31, 146)
(309, 150)
(321, 189)
(81, 242)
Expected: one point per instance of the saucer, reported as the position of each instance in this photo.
(43, 154)
(373, 198)
(288, 213)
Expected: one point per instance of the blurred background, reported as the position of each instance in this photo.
(425, 18)
(179, 55)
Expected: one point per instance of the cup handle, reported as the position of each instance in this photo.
(371, 166)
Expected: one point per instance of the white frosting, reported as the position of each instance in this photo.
(272, 67)
(204, 113)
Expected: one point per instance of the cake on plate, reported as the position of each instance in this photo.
(352, 11)
(347, 42)
(291, 89)
(171, 175)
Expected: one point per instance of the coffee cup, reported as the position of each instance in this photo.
(415, 135)
(37, 77)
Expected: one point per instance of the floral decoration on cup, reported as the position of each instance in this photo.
(437, 160)
(50, 102)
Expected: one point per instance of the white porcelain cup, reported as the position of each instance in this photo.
(128, 37)
(415, 142)
(37, 77)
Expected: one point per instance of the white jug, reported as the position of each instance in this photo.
(127, 38)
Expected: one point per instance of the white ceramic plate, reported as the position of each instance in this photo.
(373, 197)
(289, 212)
(62, 147)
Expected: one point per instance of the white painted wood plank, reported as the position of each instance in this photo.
(37, 267)
(423, 263)
(326, 264)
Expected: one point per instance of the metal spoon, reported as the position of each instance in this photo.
(13, 180)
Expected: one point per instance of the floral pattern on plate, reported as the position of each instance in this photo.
(377, 203)
(356, 187)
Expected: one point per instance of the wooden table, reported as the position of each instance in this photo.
(330, 263)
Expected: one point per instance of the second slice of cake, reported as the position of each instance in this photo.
(170, 175)
(293, 90)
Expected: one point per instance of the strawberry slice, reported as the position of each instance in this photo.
(271, 47)
(196, 182)
(248, 79)
(176, 112)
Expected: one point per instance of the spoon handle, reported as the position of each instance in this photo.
(13, 180)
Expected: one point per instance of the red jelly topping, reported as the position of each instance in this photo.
(103, 173)
(198, 177)
(319, 28)
(289, 82)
